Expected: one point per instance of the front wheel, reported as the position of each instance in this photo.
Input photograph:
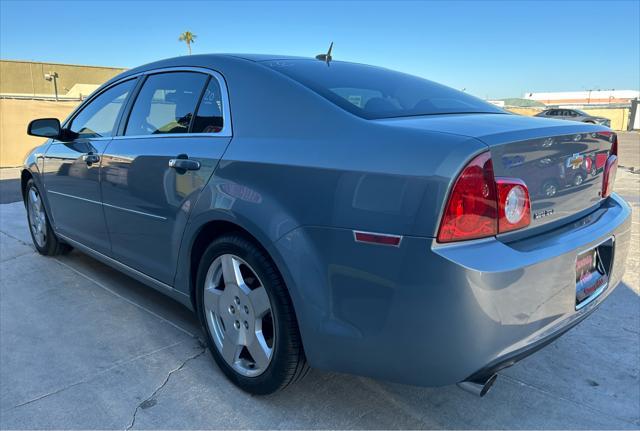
(44, 239)
(248, 318)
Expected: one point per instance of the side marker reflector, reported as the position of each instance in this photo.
(377, 238)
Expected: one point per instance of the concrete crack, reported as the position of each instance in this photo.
(147, 401)
(17, 239)
(117, 364)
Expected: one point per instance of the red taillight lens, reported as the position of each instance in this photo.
(471, 210)
(514, 205)
(609, 176)
(481, 205)
(610, 168)
(614, 145)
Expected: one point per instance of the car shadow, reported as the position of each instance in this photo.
(10, 191)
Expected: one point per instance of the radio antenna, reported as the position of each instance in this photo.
(326, 57)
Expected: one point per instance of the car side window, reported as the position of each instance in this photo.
(208, 118)
(166, 104)
(98, 118)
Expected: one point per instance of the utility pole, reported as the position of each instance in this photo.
(53, 76)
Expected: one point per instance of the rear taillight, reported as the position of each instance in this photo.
(514, 205)
(471, 211)
(610, 169)
(480, 205)
(614, 145)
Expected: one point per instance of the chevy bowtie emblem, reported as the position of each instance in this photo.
(575, 161)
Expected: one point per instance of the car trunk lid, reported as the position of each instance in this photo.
(561, 162)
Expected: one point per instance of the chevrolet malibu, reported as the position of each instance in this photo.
(334, 215)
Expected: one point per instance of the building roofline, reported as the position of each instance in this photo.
(62, 64)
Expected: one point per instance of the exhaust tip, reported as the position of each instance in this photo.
(478, 387)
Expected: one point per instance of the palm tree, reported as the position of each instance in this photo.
(188, 38)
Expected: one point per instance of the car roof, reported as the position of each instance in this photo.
(267, 57)
(205, 60)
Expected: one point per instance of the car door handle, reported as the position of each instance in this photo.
(91, 158)
(184, 164)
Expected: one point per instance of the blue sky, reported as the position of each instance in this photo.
(493, 49)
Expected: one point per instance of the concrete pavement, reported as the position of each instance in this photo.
(83, 346)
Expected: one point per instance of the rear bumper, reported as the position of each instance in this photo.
(431, 314)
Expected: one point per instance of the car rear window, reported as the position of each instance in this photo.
(373, 92)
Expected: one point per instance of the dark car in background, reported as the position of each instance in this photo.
(574, 115)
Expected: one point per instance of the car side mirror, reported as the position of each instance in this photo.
(46, 128)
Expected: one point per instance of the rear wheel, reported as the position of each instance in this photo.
(44, 239)
(248, 318)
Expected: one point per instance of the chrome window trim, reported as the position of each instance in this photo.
(227, 127)
(101, 138)
(170, 135)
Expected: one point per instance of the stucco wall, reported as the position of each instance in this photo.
(27, 77)
(15, 115)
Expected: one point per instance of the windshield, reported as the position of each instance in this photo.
(372, 92)
(584, 114)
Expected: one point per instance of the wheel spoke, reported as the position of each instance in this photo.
(259, 351)
(230, 348)
(231, 270)
(212, 299)
(33, 197)
(260, 301)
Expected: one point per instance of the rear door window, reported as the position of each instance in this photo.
(208, 118)
(166, 104)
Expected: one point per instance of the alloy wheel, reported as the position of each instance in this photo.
(550, 190)
(37, 217)
(239, 315)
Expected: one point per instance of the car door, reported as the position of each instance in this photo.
(572, 115)
(565, 114)
(72, 169)
(177, 129)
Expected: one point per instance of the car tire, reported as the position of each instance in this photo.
(44, 238)
(230, 317)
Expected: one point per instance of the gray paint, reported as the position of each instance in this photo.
(299, 174)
